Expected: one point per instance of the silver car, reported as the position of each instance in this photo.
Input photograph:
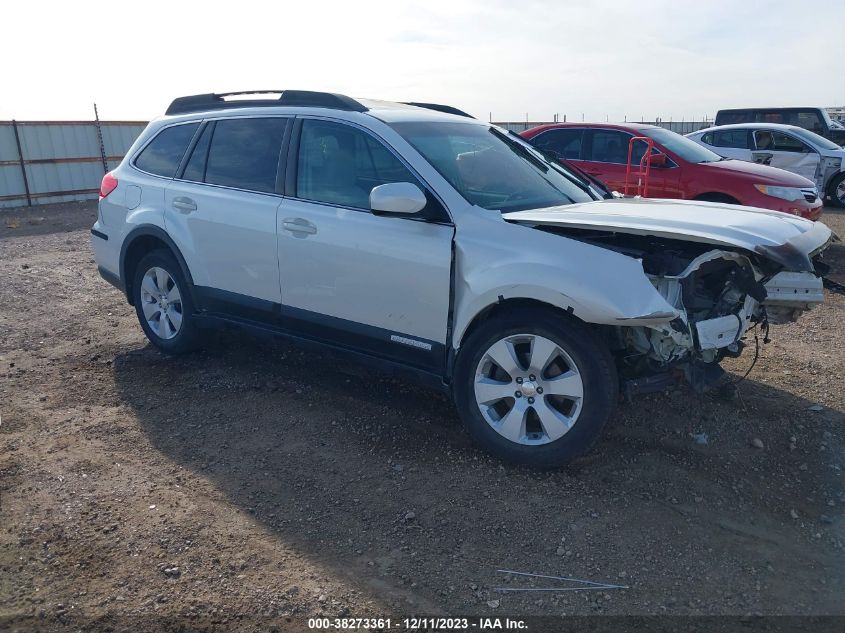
(425, 242)
(789, 147)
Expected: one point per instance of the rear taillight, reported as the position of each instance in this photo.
(108, 185)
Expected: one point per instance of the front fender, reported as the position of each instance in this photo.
(594, 284)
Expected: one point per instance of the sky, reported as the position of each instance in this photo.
(596, 59)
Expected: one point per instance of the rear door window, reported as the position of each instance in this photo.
(772, 116)
(809, 120)
(244, 153)
(730, 138)
(611, 146)
(565, 143)
(164, 153)
(735, 116)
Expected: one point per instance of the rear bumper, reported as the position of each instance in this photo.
(106, 255)
(110, 277)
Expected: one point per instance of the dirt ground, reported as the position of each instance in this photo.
(253, 479)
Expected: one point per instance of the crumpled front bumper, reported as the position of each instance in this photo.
(796, 254)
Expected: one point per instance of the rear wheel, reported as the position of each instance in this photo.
(837, 190)
(535, 387)
(163, 303)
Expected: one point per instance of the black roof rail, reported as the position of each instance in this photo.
(439, 107)
(305, 98)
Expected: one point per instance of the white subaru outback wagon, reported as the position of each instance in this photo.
(423, 240)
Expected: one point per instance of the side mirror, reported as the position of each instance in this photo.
(658, 160)
(397, 198)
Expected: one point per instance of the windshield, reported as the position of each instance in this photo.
(490, 169)
(814, 139)
(683, 147)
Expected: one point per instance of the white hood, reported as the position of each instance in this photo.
(784, 238)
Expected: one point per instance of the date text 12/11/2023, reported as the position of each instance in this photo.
(417, 624)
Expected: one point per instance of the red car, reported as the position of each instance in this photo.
(680, 168)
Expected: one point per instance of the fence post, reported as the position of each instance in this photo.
(20, 161)
(100, 139)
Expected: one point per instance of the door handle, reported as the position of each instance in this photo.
(184, 205)
(299, 225)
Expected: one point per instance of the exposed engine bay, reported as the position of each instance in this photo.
(720, 295)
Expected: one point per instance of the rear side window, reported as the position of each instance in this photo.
(731, 138)
(339, 164)
(735, 116)
(809, 121)
(164, 153)
(611, 146)
(786, 117)
(243, 153)
(564, 143)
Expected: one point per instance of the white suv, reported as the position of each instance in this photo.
(431, 243)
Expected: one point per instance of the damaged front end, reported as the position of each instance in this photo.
(718, 294)
(722, 269)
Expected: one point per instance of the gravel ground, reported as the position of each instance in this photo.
(255, 479)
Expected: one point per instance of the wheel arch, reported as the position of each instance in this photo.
(503, 306)
(832, 184)
(140, 241)
(716, 196)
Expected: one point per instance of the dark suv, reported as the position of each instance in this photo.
(814, 119)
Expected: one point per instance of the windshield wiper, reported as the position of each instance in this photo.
(554, 161)
(582, 183)
(520, 149)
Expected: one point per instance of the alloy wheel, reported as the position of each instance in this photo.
(529, 389)
(161, 302)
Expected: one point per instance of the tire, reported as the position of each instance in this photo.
(560, 428)
(836, 191)
(159, 282)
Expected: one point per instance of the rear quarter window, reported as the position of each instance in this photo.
(163, 154)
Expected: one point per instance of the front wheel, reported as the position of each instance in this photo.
(837, 190)
(163, 303)
(535, 387)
